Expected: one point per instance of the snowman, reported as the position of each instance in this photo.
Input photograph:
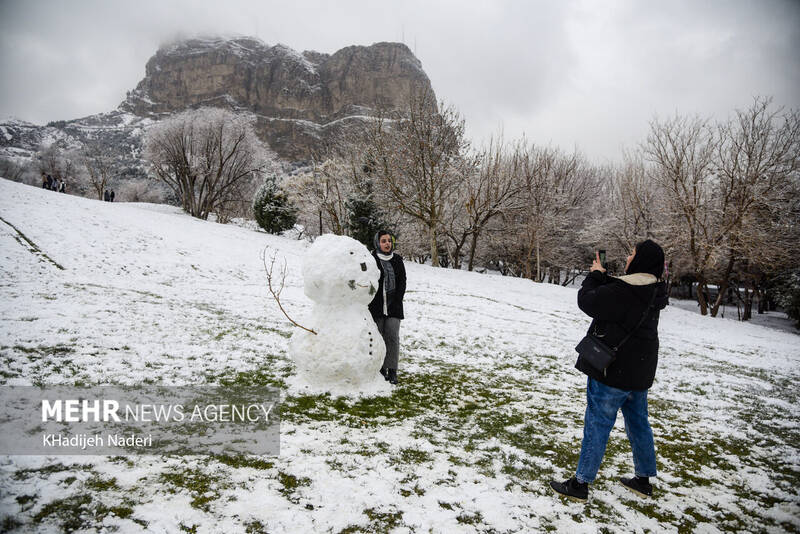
(345, 354)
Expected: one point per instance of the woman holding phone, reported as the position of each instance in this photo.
(625, 313)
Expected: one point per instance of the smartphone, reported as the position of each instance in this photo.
(602, 254)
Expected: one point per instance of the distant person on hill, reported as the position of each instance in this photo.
(106, 196)
(111, 196)
(44, 181)
(49, 182)
(387, 305)
(63, 187)
(624, 314)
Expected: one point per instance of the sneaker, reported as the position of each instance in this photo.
(392, 378)
(639, 485)
(572, 489)
(385, 373)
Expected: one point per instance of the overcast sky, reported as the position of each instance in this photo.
(585, 74)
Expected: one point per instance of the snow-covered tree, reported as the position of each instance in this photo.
(99, 165)
(272, 209)
(321, 194)
(203, 154)
(539, 237)
(682, 151)
(415, 152)
(58, 163)
(365, 218)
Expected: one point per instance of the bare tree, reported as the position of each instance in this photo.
(723, 187)
(629, 208)
(99, 166)
(323, 191)
(415, 160)
(487, 190)
(203, 154)
(59, 164)
(11, 170)
(759, 160)
(141, 191)
(555, 188)
(682, 151)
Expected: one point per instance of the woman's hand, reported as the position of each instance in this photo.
(596, 264)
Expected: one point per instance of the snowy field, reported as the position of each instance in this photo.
(488, 410)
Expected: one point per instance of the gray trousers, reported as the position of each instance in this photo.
(389, 327)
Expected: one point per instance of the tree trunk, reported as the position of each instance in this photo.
(457, 256)
(702, 292)
(748, 304)
(434, 249)
(473, 244)
(724, 286)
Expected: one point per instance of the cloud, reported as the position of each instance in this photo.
(574, 73)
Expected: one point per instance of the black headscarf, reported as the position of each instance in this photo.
(649, 258)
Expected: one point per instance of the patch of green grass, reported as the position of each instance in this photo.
(97, 483)
(203, 487)
(470, 519)
(271, 371)
(290, 484)
(72, 513)
(47, 470)
(222, 334)
(413, 456)
(255, 527)
(417, 395)
(241, 461)
(383, 521)
(262, 328)
(45, 350)
(9, 523)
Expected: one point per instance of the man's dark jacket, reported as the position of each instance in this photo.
(395, 305)
(616, 306)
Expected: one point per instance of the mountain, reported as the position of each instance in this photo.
(299, 99)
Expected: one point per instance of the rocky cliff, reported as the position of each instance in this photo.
(299, 99)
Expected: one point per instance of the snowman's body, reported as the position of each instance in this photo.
(343, 357)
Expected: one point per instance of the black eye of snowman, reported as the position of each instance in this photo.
(351, 284)
(363, 266)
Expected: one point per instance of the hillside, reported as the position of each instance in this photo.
(489, 407)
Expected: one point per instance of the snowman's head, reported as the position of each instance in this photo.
(339, 270)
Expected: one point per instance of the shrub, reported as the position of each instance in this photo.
(272, 210)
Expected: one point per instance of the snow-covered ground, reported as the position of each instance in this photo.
(489, 407)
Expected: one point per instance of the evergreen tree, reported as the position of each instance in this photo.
(272, 210)
(364, 217)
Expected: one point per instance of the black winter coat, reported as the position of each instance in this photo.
(395, 304)
(616, 306)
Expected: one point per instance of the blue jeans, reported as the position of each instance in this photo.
(602, 404)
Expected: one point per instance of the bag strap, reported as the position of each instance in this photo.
(641, 321)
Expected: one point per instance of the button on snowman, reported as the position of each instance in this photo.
(345, 354)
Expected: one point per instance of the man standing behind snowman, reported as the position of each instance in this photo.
(387, 306)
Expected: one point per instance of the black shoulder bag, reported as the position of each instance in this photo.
(598, 354)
